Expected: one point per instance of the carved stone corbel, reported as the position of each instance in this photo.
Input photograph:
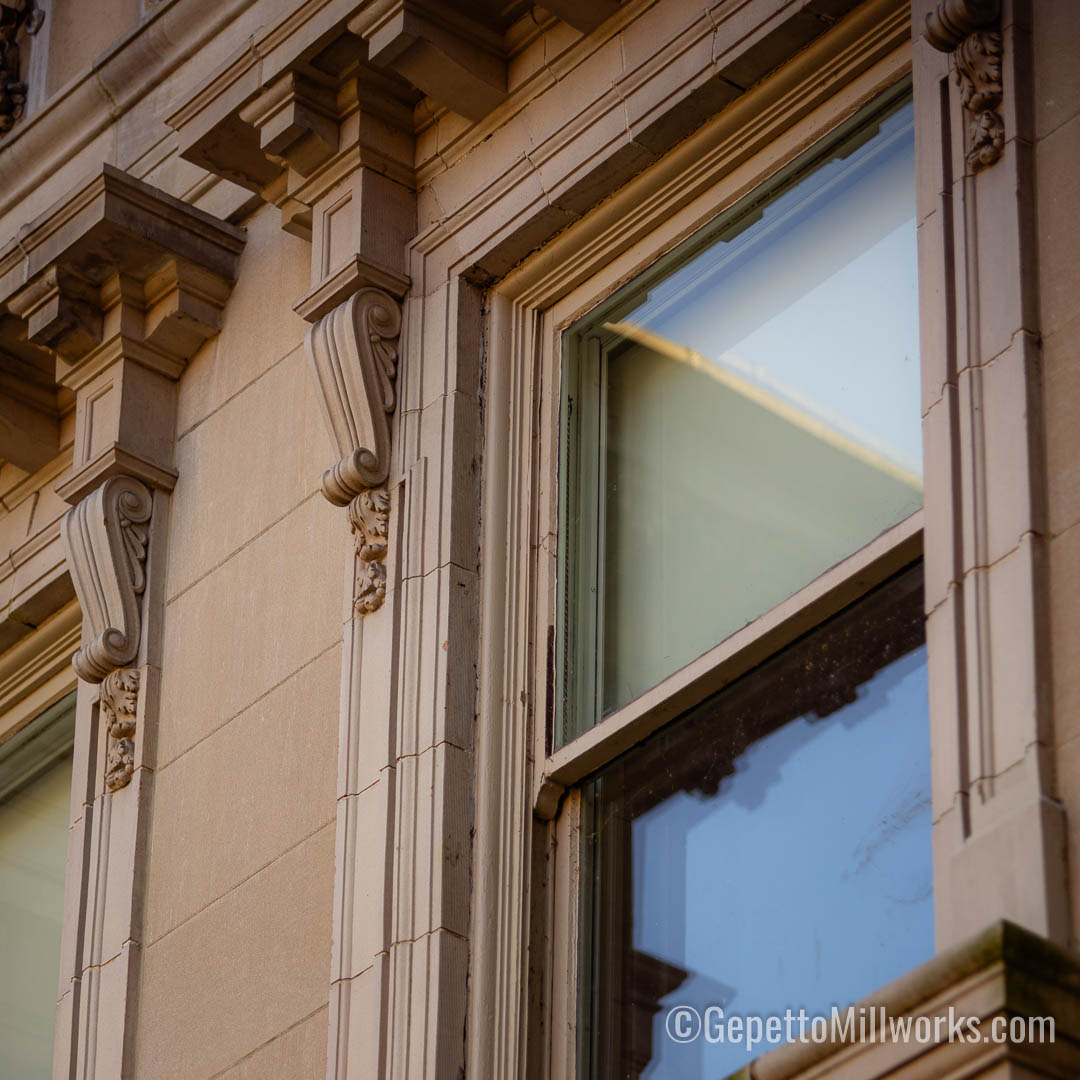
(119, 703)
(354, 352)
(105, 538)
(970, 30)
(369, 518)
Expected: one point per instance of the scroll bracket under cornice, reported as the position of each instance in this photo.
(353, 352)
(970, 30)
(105, 539)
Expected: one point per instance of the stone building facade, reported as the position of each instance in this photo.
(286, 292)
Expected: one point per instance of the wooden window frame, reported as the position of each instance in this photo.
(526, 855)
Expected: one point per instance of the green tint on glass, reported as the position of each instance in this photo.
(741, 418)
(35, 803)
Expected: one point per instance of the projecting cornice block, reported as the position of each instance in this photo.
(441, 50)
(113, 289)
(583, 15)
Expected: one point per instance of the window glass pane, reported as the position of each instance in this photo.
(742, 419)
(33, 853)
(769, 850)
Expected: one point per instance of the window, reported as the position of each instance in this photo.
(35, 797)
(741, 682)
(743, 418)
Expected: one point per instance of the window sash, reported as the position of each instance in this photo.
(526, 897)
(799, 191)
(838, 586)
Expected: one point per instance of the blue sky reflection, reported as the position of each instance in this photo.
(806, 880)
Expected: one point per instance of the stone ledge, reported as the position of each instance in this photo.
(1004, 971)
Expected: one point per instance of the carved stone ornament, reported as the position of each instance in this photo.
(968, 29)
(105, 539)
(369, 517)
(119, 704)
(15, 16)
(354, 353)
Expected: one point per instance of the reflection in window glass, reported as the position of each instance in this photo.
(35, 803)
(741, 420)
(770, 850)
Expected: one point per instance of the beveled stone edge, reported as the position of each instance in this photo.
(1003, 948)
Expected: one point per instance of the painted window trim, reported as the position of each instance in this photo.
(557, 794)
(37, 747)
(840, 585)
(523, 974)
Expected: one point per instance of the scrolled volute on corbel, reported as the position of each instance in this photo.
(354, 356)
(952, 20)
(354, 352)
(105, 539)
(970, 30)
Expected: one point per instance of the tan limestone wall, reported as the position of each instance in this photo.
(1056, 29)
(235, 972)
(76, 41)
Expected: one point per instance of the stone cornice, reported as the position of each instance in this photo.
(268, 111)
(39, 145)
(346, 280)
(109, 292)
(117, 224)
(242, 76)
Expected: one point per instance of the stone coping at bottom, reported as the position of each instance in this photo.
(1003, 971)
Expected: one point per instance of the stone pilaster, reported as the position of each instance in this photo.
(116, 287)
(999, 825)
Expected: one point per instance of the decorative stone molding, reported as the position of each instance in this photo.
(354, 353)
(952, 20)
(298, 140)
(998, 813)
(964, 28)
(105, 538)
(119, 703)
(452, 56)
(369, 518)
(583, 15)
(104, 299)
(289, 120)
(17, 17)
(978, 71)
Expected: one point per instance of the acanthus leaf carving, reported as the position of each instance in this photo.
(354, 356)
(978, 72)
(968, 30)
(119, 703)
(369, 517)
(16, 16)
(105, 539)
(354, 353)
